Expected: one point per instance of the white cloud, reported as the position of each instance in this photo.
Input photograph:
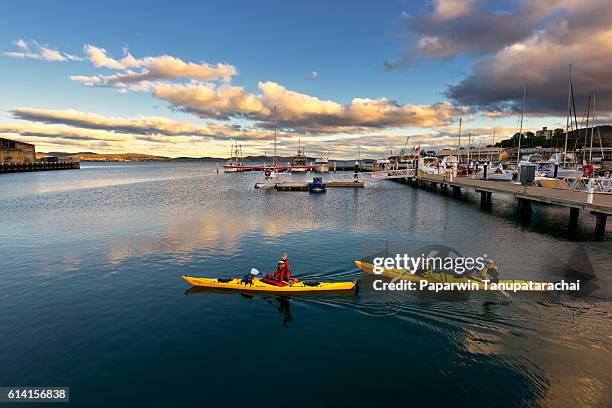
(300, 112)
(34, 50)
(164, 67)
(447, 9)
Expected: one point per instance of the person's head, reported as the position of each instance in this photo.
(285, 256)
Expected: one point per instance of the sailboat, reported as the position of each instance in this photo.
(495, 171)
(565, 162)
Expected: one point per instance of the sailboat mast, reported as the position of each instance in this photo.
(592, 132)
(567, 119)
(518, 152)
(459, 144)
(275, 161)
(469, 146)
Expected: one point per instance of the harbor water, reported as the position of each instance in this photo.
(92, 295)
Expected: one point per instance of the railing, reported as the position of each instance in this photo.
(375, 175)
(599, 184)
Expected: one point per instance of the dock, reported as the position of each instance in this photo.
(600, 205)
(38, 166)
(286, 186)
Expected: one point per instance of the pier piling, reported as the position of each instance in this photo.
(524, 210)
(600, 226)
(599, 205)
(573, 220)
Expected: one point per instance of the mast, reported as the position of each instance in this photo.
(493, 146)
(459, 144)
(567, 119)
(518, 152)
(586, 130)
(592, 133)
(275, 160)
(469, 146)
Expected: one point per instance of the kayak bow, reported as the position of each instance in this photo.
(257, 285)
(433, 276)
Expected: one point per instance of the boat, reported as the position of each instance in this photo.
(317, 185)
(258, 286)
(235, 163)
(270, 172)
(382, 164)
(298, 162)
(432, 276)
(321, 164)
(495, 172)
(549, 182)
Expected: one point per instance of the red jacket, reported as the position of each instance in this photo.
(283, 271)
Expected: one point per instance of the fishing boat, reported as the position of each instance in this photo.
(235, 163)
(298, 162)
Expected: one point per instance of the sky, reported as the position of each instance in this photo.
(344, 77)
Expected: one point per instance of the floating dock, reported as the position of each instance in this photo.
(38, 166)
(600, 205)
(287, 186)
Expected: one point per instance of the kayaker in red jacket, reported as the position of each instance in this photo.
(283, 270)
(282, 276)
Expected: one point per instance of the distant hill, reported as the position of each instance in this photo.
(89, 156)
(139, 157)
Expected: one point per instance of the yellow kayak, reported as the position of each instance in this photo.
(257, 285)
(438, 277)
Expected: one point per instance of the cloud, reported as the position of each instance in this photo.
(514, 43)
(164, 67)
(583, 36)
(478, 27)
(300, 112)
(448, 9)
(34, 50)
(99, 58)
(136, 127)
(313, 75)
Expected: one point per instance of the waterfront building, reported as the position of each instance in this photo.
(15, 152)
(544, 132)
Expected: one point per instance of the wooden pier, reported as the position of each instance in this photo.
(38, 166)
(600, 205)
(287, 186)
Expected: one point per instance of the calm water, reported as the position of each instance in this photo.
(92, 297)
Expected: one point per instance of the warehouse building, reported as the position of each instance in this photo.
(14, 152)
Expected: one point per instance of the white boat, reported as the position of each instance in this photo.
(321, 164)
(270, 172)
(495, 172)
(382, 164)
